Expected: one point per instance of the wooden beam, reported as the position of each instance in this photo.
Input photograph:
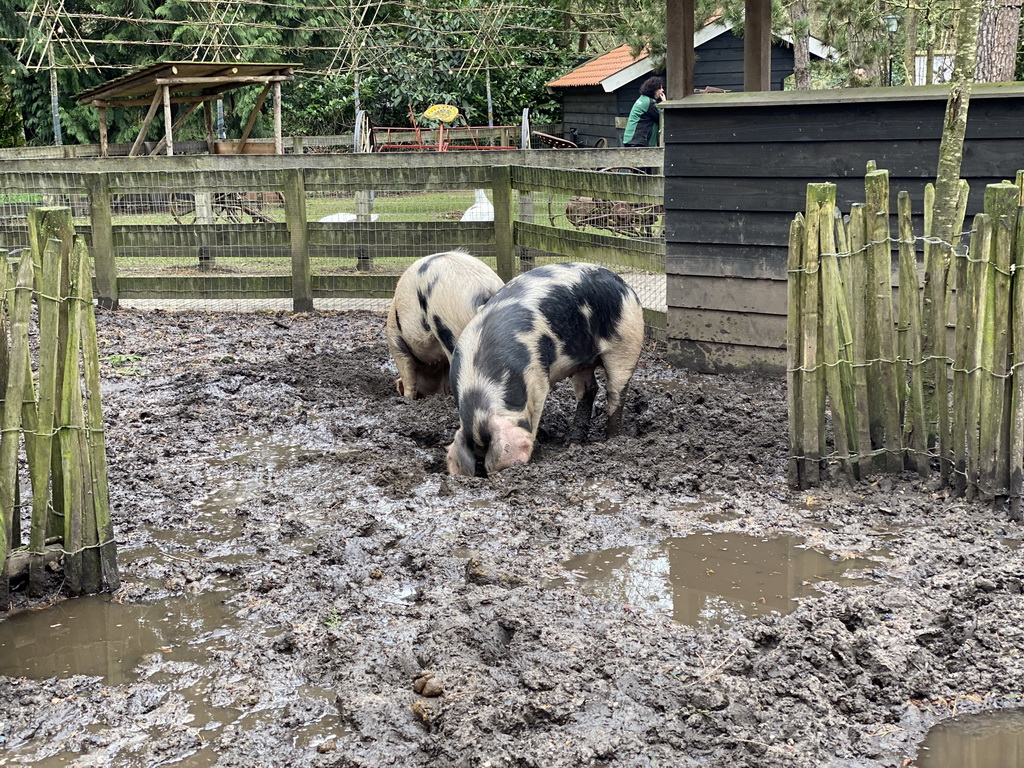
(757, 46)
(177, 124)
(130, 85)
(278, 139)
(154, 105)
(240, 79)
(145, 102)
(208, 120)
(168, 127)
(103, 131)
(252, 119)
(679, 55)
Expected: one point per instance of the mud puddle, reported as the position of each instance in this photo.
(96, 635)
(982, 740)
(714, 578)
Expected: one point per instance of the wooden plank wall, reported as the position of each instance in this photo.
(737, 167)
(592, 113)
(720, 63)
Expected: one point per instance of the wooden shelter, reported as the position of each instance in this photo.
(194, 83)
(597, 95)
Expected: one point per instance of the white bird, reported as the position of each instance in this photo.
(347, 217)
(481, 210)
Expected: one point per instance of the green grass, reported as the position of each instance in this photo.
(18, 197)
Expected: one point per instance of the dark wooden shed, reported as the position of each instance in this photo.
(737, 167)
(597, 95)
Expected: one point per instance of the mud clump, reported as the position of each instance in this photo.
(377, 611)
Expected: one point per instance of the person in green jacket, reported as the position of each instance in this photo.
(642, 125)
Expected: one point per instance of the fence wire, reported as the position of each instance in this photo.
(562, 224)
(208, 239)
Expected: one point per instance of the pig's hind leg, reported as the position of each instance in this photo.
(618, 367)
(584, 385)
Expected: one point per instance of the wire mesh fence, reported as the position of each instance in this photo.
(66, 190)
(613, 217)
(335, 233)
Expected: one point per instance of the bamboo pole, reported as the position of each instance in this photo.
(964, 359)
(858, 323)
(876, 187)
(96, 442)
(914, 429)
(1017, 380)
(794, 358)
(1001, 207)
(46, 222)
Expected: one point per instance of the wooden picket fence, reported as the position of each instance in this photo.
(877, 384)
(51, 407)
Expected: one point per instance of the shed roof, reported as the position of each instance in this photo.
(143, 82)
(614, 69)
(597, 69)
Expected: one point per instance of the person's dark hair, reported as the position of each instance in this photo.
(651, 86)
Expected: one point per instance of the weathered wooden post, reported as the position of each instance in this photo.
(295, 215)
(860, 297)
(1001, 207)
(833, 330)
(364, 214)
(964, 359)
(89, 562)
(914, 429)
(104, 257)
(876, 185)
(18, 372)
(794, 350)
(980, 251)
(812, 385)
(504, 246)
(1017, 366)
(51, 234)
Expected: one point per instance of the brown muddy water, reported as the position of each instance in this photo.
(984, 740)
(304, 585)
(711, 578)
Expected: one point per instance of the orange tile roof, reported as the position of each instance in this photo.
(596, 70)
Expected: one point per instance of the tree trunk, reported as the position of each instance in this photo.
(798, 15)
(947, 193)
(910, 52)
(998, 34)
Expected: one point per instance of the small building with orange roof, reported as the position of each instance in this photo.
(597, 95)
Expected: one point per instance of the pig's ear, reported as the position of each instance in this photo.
(458, 455)
(509, 445)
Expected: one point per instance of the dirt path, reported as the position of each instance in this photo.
(301, 568)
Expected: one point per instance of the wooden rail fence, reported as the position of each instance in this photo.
(96, 185)
(56, 414)
(932, 380)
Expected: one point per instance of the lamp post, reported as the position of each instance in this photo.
(892, 23)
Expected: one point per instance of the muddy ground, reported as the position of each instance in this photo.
(375, 611)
